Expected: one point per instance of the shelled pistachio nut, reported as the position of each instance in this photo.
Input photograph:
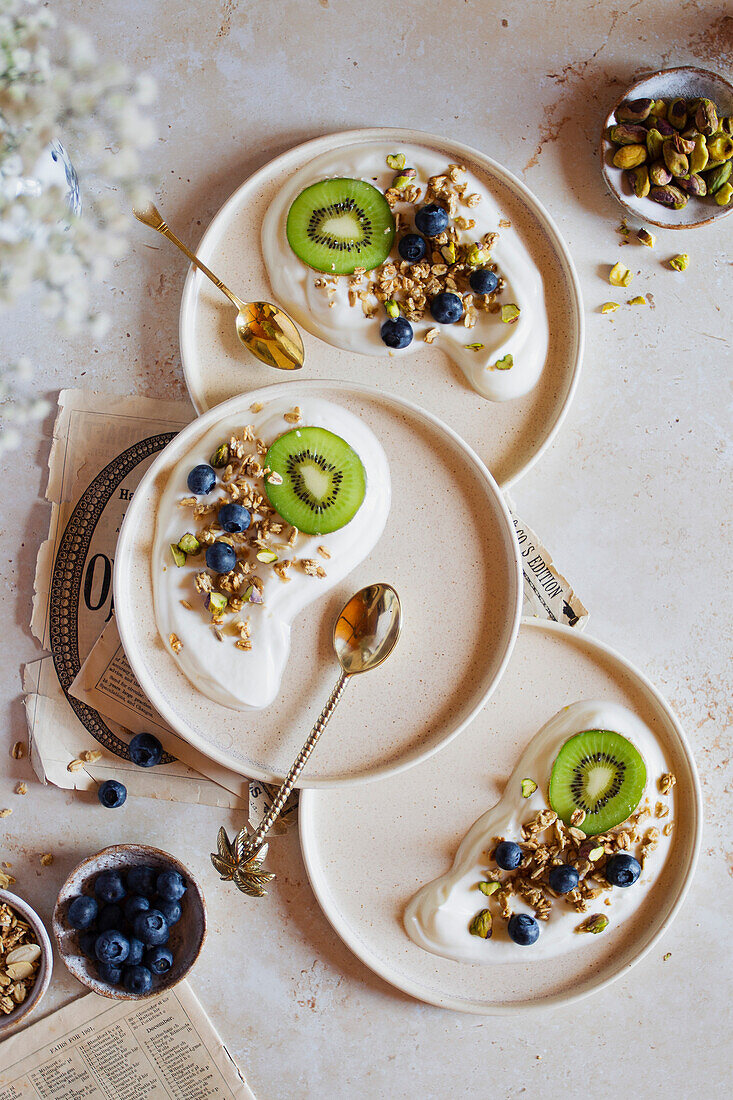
(677, 114)
(630, 156)
(693, 185)
(634, 110)
(720, 147)
(669, 196)
(726, 124)
(724, 194)
(396, 161)
(680, 262)
(639, 181)
(718, 176)
(654, 142)
(659, 174)
(664, 127)
(659, 108)
(699, 155)
(628, 133)
(706, 117)
(676, 161)
(645, 237)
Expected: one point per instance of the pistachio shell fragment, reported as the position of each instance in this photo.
(645, 237)
(396, 161)
(680, 262)
(610, 307)
(723, 194)
(179, 556)
(505, 363)
(481, 925)
(669, 196)
(634, 110)
(619, 275)
(528, 787)
(630, 156)
(489, 888)
(699, 156)
(510, 313)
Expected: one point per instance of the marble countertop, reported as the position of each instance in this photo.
(631, 499)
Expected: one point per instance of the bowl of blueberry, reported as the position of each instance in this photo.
(130, 921)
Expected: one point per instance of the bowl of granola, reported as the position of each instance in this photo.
(26, 960)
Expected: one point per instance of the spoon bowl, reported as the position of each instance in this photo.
(368, 628)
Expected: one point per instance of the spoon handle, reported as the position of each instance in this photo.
(152, 217)
(254, 843)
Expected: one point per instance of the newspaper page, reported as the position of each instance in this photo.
(159, 1048)
(547, 594)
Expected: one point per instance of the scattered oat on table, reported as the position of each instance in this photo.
(22, 788)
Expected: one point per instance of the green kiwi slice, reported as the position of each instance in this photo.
(323, 480)
(601, 772)
(340, 224)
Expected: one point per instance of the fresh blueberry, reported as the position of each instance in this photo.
(563, 879)
(145, 750)
(446, 308)
(202, 479)
(622, 869)
(159, 960)
(134, 905)
(112, 947)
(483, 281)
(87, 943)
(109, 887)
(108, 972)
(234, 518)
(83, 912)
(141, 879)
(138, 979)
(112, 794)
(396, 333)
(412, 248)
(171, 885)
(508, 855)
(432, 219)
(110, 916)
(151, 927)
(171, 910)
(220, 557)
(137, 950)
(523, 929)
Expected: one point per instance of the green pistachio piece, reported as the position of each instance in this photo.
(659, 109)
(401, 181)
(489, 888)
(706, 117)
(654, 144)
(726, 124)
(674, 158)
(596, 923)
(639, 180)
(720, 147)
(699, 155)
(179, 556)
(189, 543)
(619, 275)
(659, 174)
(634, 110)
(393, 310)
(216, 602)
(693, 185)
(723, 194)
(629, 156)
(718, 176)
(645, 237)
(677, 114)
(510, 313)
(269, 557)
(680, 263)
(396, 161)
(683, 144)
(481, 925)
(595, 853)
(476, 256)
(627, 133)
(220, 457)
(473, 347)
(669, 196)
(610, 307)
(448, 252)
(506, 363)
(528, 787)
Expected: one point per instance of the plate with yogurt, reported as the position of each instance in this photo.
(248, 534)
(534, 860)
(409, 259)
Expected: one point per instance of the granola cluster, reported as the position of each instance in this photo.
(20, 957)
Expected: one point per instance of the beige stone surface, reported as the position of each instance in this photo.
(631, 498)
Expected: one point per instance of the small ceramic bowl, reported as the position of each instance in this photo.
(43, 977)
(186, 935)
(687, 82)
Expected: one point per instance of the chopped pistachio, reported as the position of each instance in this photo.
(481, 924)
(639, 300)
(473, 347)
(401, 181)
(596, 923)
(528, 787)
(216, 602)
(476, 256)
(189, 544)
(623, 228)
(645, 237)
(393, 310)
(220, 456)
(396, 161)
(510, 313)
(723, 194)
(179, 556)
(505, 363)
(267, 556)
(595, 853)
(619, 275)
(489, 888)
(667, 956)
(610, 307)
(680, 262)
(448, 252)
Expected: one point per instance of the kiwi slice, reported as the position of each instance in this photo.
(598, 771)
(323, 480)
(340, 224)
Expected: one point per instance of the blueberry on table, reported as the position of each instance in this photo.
(563, 879)
(141, 879)
(220, 557)
(508, 855)
(171, 885)
(82, 912)
(112, 794)
(446, 308)
(138, 979)
(432, 219)
(111, 973)
(483, 281)
(134, 905)
(112, 947)
(201, 479)
(622, 869)
(396, 333)
(523, 929)
(171, 910)
(109, 887)
(145, 750)
(151, 927)
(137, 950)
(234, 518)
(412, 248)
(159, 960)
(110, 916)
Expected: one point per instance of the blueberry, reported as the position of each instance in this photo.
(145, 750)
(446, 308)
(171, 885)
(111, 916)
(508, 855)
(431, 220)
(151, 927)
(483, 281)
(523, 929)
(83, 912)
(622, 869)
(108, 886)
(112, 947)
(396, 333)
(220, 557)
(137, 950)
(171, 910)
(134, 905)
(202, 479)
(138, 979)
(412, 247)
(112, 794)
(158, 959)
(141, 879)
(563, 879)
(234, 518)
(108, 972)
(87, 943)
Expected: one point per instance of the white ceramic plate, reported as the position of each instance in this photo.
(448, 548)
(368, 849)
(509, 437)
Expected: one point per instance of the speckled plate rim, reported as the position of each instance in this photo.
(314, 147)
(318, 877)
(609, 171)
(19, 1015)
(122, 575)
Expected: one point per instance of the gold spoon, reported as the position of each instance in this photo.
(265, 329)
(365, 634)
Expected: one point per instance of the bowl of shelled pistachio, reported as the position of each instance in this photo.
(667, 148)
